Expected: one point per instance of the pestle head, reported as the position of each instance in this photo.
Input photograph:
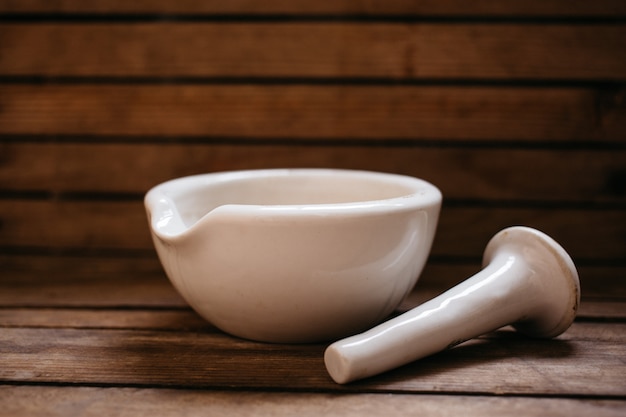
(554, 279)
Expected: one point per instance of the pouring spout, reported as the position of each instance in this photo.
(165, 219)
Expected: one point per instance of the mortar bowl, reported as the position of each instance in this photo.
(293, 255)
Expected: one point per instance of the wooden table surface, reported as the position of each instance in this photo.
(514, 109)
(107, 344)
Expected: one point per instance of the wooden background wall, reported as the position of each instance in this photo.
(516, 110)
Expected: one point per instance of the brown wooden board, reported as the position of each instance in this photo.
(454, 113)
(463, 230)
(89, 401)
(503, 363)
(564, 8)
(182, 318)
(57, 291)
(83, 280)
(461, 173)
(310, 50)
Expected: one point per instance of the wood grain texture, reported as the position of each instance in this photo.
(601, 309)
(515, 109)
(565, 8)
(90, 281)
(305, 111)
(463, 230)
(308, 50)
(461, 173)
(57, 291)
(86, 402)
(503, 363)
(183, 319)
(104, 281)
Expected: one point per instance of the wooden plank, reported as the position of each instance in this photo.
(185, 320)
(79, 224)
(83, 318)
(549, 368)
(75, 281)
(462, 173)
(598, 282)
(564, 8)
(30, 280)
(314, 111)
(83, 281)
(601, 309)
(398, 51)
(33, 269)
(502, 364)
(129, 294)
(79, 292)
(466, 231)
(88, 401)
(463, 230)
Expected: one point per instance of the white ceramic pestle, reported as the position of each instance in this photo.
(528, 281)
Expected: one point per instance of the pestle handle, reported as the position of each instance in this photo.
(524, 282)
(445, 321)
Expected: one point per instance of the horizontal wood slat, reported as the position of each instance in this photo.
(186, 320)
(460, 172)
(350, 7)
(84, 280)
(463, 231)
(183, 319)
(503, 363)
(173, 320)
(304, 111)
(85, 291)
(84, 224)
(87, 402)
(599, 283)
(397, 51)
